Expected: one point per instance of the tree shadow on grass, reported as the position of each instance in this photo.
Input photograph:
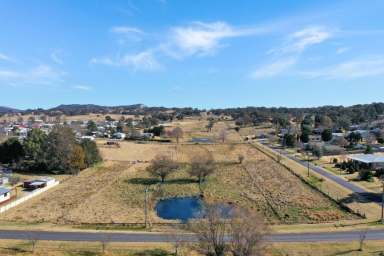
(154, 252)
(15, 249)
(83, 253)
(143, 181)
(153, 181)
(366, 197)
(346, 252)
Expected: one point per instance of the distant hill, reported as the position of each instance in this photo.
(342, 116)
(78, 109)
(5, 110)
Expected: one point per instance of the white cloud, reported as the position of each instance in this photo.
(127, 34)
(289, 53)
(104, 61)
(82, 87)
(342, 50)
(144, 60)
(201, 38)
(299, 41)
(274, 68)
(57, 56)
(39, 75)
(4, 57)
(352, 69)
(141, 61)
(126, 30)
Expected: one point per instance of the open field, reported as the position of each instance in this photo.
(132, 151)
(196, 127)
(114, 192)
(370, 248)
(370, 209)
(52, 248)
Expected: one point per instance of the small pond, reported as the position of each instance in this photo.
(201, 140)
(185, 208)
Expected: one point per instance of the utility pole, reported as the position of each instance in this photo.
(308, 163)
(146, 207)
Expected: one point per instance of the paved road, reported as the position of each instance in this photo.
(150, 237)
(374, 197)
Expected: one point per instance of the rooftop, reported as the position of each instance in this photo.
(367, 158)
(4, 190)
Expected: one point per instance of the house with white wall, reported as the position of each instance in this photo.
(5, 194)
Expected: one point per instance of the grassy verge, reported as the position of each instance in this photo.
(328, 187)
(327, 249)
(54, 248)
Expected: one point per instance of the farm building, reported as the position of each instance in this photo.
(370, 161)
(5, 194)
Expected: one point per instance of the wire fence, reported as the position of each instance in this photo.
(332, 194)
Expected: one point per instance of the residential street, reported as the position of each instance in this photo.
(376, 198)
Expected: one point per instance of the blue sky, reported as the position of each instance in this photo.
(198, 53)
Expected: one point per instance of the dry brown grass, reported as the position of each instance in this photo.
(132, 151)
(114, 192)
(327, 249)
(82, 198)
(370, 209)
(197, 128)
(57, 248)
(61, 248)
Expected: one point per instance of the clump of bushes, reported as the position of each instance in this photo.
(366, 175)
(349, 166)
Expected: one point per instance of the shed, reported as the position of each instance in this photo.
(370, 161)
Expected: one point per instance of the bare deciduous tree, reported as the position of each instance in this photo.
(362, 237)
(240, 158)
(201, 167)
(279, 157)
(33, 238)
(246, 234)
(178, 240)
(161, 166)
(241, 234)
(223, 134)
(210, 125)
(177, 133)
(211, 232)
(105, 239)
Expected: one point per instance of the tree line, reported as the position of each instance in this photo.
(340, 116)
(58, 152)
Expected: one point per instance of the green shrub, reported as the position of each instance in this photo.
(366, 175)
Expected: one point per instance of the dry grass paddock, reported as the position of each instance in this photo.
(114, 191)
(197, 128)
(56, 248)
(61, 248)
(133, 151)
